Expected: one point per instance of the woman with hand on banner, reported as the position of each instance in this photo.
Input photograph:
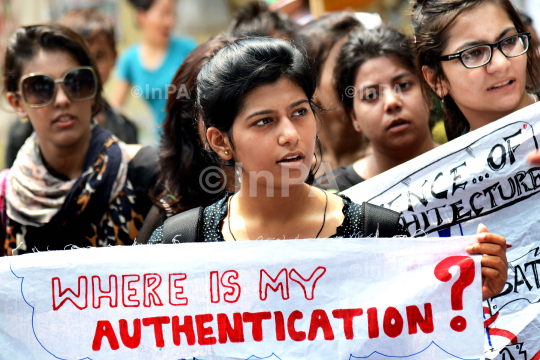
(474, 55)
(72, 183)
(376, 75)
(255, 97)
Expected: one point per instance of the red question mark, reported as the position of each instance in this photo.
(466, 277)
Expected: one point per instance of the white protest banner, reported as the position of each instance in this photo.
(481, 177)
(297, 299)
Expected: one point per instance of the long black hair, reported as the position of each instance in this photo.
(236, 70)
(181, 155)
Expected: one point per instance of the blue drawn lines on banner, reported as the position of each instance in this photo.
(33, 310)
(273, 356)
(408, 356)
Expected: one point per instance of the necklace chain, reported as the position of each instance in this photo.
(229, 215)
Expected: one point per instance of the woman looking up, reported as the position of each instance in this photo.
(255, 97)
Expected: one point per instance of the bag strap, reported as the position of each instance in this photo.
(3, 185)
(184, 227)
(379, 222)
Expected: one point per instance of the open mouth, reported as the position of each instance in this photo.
(289, 159)
(398, 125)
(506, 83)
(64, 120)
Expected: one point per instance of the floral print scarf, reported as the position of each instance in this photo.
(47, 213)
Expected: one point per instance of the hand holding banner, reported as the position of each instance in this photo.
(483, 177)
(322, 298)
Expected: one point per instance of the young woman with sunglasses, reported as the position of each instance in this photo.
(72, 182)
(474, 55)
(255, 97)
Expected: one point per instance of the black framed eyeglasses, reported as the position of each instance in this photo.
(38, 90)
(480, 55)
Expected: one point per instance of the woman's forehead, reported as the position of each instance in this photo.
(53, 63)
(482, 24)
(276, 93)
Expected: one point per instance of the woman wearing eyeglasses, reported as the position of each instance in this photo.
(73, 183)
(474, 56)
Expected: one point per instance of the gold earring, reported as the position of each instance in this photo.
(226, 152)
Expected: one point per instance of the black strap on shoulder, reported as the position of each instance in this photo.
(379, 221)
(184, 227)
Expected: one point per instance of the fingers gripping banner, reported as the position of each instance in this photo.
(317, 299)
(481, 177)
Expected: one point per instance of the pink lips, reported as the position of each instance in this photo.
(502, 86)
(64, 120)
(292, 160)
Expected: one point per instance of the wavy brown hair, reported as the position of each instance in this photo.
(431, 21)
(181, 154)
(28, 41)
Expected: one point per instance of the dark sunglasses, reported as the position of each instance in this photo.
(39, 90)
(480, 55)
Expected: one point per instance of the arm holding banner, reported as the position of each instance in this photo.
(494, 263)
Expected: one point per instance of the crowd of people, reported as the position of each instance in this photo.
(258, 109)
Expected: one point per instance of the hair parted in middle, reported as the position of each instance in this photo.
(28, 41)
(365, 45)
(432, 21)
(236, 70)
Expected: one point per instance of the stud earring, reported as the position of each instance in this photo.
(226, 152)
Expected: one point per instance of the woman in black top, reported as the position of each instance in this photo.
(383, 97)
(256, 99)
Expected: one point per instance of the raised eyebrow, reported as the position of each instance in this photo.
(480, 42)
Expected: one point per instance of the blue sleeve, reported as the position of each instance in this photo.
(124, 65)
(157, 236)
